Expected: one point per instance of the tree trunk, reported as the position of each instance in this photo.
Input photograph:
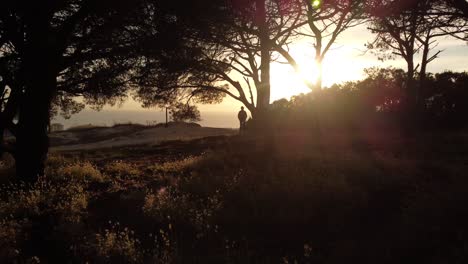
(410, 89)
(263, 91)
(2, 122)
(422, 76)
(319, 82)
(6, 122)
(39, 64)
(311, 16)
(32, 141)
(2, 141)
(410, 103)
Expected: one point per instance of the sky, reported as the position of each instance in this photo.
(345, 62)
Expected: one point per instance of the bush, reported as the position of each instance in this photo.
(174, 207)
(83, 171)
(11, 237)
(122, 170)
(65, 201)
(175, 167)
(41, 218)
(115, 245)
(6, 161)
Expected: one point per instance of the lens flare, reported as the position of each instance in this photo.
(316, 3)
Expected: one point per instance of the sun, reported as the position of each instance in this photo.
(316, 3)
(286, 82)
(339, 65)
(309, 72)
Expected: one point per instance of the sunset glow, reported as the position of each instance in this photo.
(233, 131)
(340, 65)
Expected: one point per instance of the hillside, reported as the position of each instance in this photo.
(130, 135)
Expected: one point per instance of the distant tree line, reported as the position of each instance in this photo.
(376, 102)
(173, 53)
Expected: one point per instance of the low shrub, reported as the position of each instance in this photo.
(65, 201)
(175, 167)
(6, 161)
(82, 171)
(11, 237)
(121, 169)
(116, 245)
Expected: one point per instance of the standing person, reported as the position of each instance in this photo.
(242, 115)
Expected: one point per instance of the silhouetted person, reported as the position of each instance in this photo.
(242, 115)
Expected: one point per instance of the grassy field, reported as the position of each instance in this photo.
(289, 198)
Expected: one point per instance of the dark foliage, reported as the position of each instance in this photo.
(378, 102)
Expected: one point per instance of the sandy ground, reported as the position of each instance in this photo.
(110, 137)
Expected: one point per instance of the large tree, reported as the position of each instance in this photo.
(407, 28)
(228, 50)
(56, 49)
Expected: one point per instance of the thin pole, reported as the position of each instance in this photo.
(166, 116)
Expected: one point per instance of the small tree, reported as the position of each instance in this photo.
(181, 112)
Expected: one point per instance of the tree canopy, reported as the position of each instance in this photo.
(54, 51)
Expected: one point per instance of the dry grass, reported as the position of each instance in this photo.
(247, 201)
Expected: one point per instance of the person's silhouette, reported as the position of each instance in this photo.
(242, 115)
